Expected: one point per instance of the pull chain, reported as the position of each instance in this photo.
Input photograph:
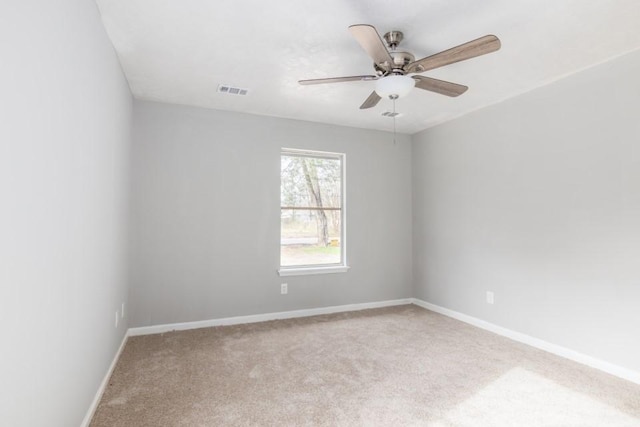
(394, 120)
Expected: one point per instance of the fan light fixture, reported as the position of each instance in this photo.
(394, 86)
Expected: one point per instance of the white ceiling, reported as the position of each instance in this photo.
(178, 51)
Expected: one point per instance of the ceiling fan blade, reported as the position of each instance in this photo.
(371, 42)
(337, 80)
(371, 101)
(439, 86)
(481, 46)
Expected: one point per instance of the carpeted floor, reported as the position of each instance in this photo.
(397, 366)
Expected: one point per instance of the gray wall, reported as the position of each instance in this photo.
(206, 215)
(538, 200)
(64, 138)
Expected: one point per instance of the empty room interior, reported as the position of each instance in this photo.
(337, 213)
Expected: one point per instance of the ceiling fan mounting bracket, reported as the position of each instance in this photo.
(393, 38)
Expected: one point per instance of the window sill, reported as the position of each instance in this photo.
(303, 271)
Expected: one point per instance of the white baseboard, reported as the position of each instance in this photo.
(103, 385)
(601, 365)
(254, 318)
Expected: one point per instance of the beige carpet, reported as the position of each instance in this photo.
(397, 366)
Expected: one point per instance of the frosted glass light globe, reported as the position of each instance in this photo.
(394, 85)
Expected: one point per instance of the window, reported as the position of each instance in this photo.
(312, 228)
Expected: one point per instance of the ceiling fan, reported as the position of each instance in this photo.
(392, 67)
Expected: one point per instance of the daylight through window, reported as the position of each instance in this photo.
(312, 211)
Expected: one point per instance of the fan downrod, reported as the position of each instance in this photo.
(400, 59)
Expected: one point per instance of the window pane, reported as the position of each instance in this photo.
(311, 209)
(302, 234)
(310, 182)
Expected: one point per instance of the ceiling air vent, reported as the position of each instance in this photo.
(232, 90)
(390, 114)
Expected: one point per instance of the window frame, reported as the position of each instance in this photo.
(341, 267)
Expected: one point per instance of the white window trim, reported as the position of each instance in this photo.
(302, 270)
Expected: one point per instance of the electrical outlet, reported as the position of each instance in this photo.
(122, 311)
(284, 288)
(489, 297)
(117, 317)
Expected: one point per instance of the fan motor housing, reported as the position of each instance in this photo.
(400, 59)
